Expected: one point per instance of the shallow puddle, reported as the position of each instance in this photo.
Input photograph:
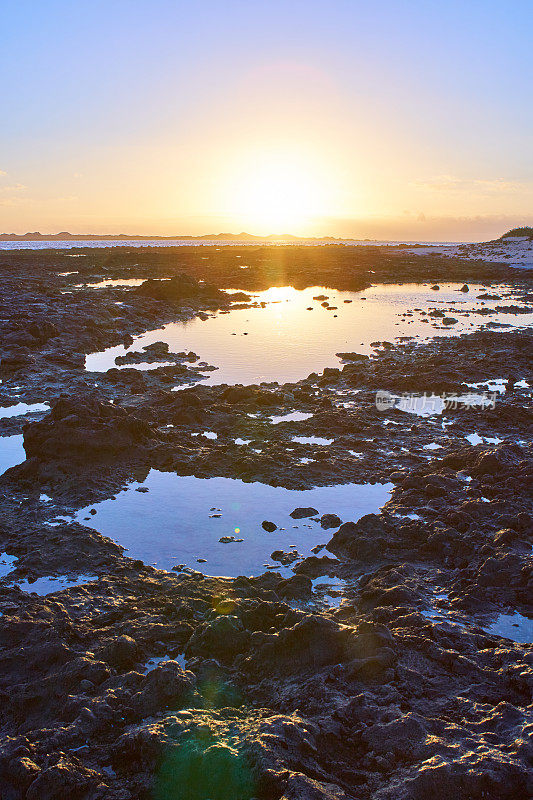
(497, 385)
(111, 282)
(50, 584)
(513, 626)
(20, 409)
(330, 590)
(182, 519)
(7, 564)
(425, 405)
(318, 440)
(154, 662)
(294, 416)
(294, 334)
(475, 438)
(11, 452)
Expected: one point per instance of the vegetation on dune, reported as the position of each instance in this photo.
(525, 231)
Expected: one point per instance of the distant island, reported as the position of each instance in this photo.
(63, 236)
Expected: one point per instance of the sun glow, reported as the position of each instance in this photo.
(272, 192)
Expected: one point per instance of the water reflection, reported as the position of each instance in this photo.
(282, 340)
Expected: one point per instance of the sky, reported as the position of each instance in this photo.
(407, 119)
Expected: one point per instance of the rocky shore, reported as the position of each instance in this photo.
(395, 663)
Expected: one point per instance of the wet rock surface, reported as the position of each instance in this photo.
(394, 687)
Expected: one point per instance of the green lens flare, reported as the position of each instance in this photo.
(201, 768)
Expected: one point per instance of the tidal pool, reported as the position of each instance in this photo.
(294, 334)
(182, 519)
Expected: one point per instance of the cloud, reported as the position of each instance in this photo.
(425, 227)
(16, 187)
(2, 172)
(452, 183)
(12, 202)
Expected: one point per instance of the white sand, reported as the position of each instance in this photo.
(516, 251)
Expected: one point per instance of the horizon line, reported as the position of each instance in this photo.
(222, 236)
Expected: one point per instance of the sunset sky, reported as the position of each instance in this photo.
(409, 119)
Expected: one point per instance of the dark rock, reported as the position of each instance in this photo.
(403, 737)
(43, 330)
(294, 587)
(284, 557)
(122, 652)
(181, 288)
(89, 429)
(166, 685)
(362, 540)
(330, 521)
(223, 638)
(62, 781)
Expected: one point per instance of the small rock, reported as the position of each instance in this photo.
(302, 513)
(268, 526)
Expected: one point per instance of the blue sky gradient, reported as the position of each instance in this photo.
(123, 114)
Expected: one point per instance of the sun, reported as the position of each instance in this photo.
(277, 192)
